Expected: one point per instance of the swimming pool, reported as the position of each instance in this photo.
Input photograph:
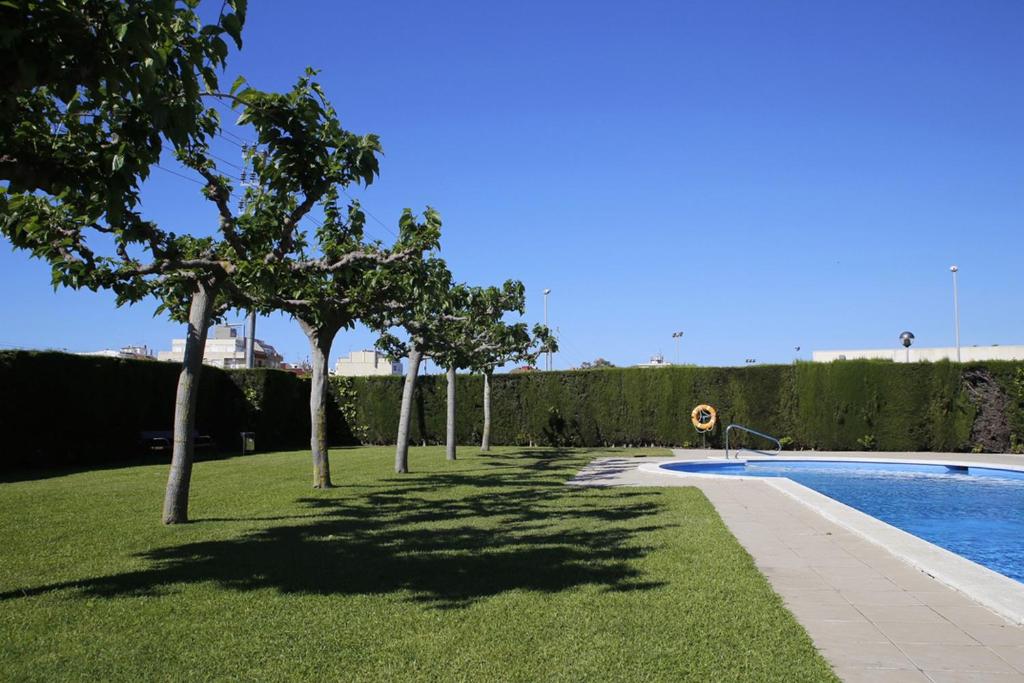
(976, 512)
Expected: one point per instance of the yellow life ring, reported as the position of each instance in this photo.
(704, 417)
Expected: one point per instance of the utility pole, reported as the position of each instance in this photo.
(250, 327)
(250, 340)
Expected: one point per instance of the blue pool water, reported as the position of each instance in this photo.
(977, 513)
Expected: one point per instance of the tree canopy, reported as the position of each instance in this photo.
(352, 280)
(90, 90)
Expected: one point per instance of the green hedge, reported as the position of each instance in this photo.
(585, 408)
(883, 406)
(276, 407)
(847, 405)
(62, 409)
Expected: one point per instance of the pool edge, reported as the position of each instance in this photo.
(989, 588)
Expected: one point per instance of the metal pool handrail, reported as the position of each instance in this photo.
(778, 444)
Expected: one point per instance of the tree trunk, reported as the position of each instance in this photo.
(176, 496)
(320, 341)
(485, 444)
(405, 417)
(450, 440)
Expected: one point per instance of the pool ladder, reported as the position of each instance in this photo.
(778, 444)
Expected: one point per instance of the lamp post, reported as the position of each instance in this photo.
(547, 362)
(678, 337)
(956, 311)
(907, 338)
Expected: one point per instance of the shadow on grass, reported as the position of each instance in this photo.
(142, 459)
(446, 540)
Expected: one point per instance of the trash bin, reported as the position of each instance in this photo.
(248, 442)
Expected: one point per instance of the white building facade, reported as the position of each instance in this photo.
(657, 361)
(225, 349)
(130, 352)
(968, 354)
(365, 364)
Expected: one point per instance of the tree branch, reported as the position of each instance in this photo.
(169, 265)
(221, 197)
(287, 238)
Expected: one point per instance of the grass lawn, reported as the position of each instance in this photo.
(488, 568)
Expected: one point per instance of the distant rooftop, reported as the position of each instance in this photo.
(968, 354)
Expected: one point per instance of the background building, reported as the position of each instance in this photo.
(657, 361)
(968, 354)
(365, 363)
(225, 349)
(135, 352)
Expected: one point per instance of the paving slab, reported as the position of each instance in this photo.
(872, 615)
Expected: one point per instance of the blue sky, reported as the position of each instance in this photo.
(759, 175)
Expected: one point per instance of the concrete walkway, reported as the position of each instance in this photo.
(872, 615)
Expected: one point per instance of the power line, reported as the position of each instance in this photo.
(230, 141)
(233, 195)
(225, 107)
(229, 110)
(320, 224)
(180, 175)
(242, 143)
(228, 175)
(196, 180)
(240, 140)
(370, 214)
(223, 160)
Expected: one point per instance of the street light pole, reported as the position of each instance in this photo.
(907, 338)
(956, 311)
(678, 337)
(547, 363)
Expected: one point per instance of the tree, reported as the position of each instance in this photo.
(467, 333)
(503, 343)
(354, 281)
(89, 92)
(598, 363)
(302, 156)
(91, 89)
(421, 290)
(458, 308)
(301, 153)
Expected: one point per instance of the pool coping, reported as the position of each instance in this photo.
(985, 586)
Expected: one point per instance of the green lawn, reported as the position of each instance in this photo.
(488, 568)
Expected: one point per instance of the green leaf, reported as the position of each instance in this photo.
(117, 163)
(219, 47)
(233, 25)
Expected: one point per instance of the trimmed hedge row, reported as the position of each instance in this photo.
(63, 409)
(882, 406)
(849, 405)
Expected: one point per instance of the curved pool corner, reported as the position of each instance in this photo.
(960, 521)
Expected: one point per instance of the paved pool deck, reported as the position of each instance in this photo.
(857, 584)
